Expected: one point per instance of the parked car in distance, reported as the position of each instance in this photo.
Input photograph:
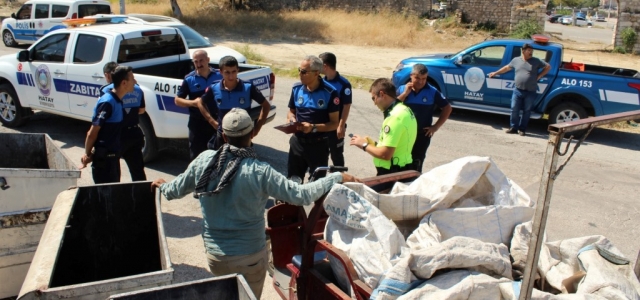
(598, 18)
(566, 20)
(195, 41)
(581, 16)
(554, 18)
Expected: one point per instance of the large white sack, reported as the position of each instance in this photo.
(462, 253)
(608, 275)
(474, 180)
(458, 285)
(511, 291)
(455, 253)
(372, 242)
(490, 224)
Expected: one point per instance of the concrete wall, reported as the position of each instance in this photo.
(628, 16)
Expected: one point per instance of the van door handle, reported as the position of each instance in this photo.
(58, 72)
(97, 76)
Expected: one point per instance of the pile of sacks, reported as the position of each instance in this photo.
(461, 231)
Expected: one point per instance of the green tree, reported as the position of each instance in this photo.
(552, 4)
(571, 3)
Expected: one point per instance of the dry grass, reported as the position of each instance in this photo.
(384, 28)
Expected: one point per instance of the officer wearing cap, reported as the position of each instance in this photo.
(315, 105)
(103, 142)
(392, 153)
(227, 94)
(233, 187)
(132, 136)
(193, 86)
(343, 87)
(422, 98)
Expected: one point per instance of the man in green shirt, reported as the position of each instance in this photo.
(392, 153)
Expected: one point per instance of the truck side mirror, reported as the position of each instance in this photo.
(23, 56)
(13, 15)
(458, 60)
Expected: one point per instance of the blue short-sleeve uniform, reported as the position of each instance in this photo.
(314, 107)
(343, 87)
(423, 105)
(194, 86)
(220, 101)
(131, 103)
(108, 114)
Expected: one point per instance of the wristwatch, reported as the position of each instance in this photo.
(314, 129)
(364, 147)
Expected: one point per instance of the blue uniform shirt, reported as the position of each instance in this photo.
(343, 87)
(108, 114)
(131, 102)
(221, 101)
(422, 104)
(194, 86)
(314, 107)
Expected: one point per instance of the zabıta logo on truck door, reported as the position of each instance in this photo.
(43, 82)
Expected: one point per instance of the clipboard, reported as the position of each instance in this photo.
(288, 127)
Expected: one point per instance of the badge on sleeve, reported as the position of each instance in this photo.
(387, 129)
(347, 91)
(321, 103)
(336, 101)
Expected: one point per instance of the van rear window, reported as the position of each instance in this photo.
(93, 9)
(148, 47)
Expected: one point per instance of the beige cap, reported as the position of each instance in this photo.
(236, 123)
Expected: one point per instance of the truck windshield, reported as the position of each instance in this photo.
(194, 39)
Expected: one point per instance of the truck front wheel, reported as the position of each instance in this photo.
(150, 149)
(11, 112)
(568, 111)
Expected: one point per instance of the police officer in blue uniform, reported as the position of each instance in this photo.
(103, 142)
(343, 87)
(315, 106)
(422, 98)
(193, 86)
(132, 135)
(227, 94)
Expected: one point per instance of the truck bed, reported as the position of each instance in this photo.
(572, 66)
(179, 69)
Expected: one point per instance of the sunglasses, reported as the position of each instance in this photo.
(304, 72)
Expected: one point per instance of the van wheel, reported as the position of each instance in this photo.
(150, 149)
(566, 112)
(11, 112)
(8, 39)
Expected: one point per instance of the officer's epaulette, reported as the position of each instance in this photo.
(329, 88)
(190, 74)
(297, 84)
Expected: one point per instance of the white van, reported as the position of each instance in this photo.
(38, 17)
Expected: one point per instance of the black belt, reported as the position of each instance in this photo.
(132, 127)
(312, 140)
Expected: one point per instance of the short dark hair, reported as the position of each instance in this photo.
(239, 141)
(527, 46)
(385, 85)
(329, 59)
(109, 67)
(419, 69)
(120, 74)
(228, 61)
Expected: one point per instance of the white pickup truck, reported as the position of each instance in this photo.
(62, 73)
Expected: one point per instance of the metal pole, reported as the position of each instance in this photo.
(609, 10)
(122, 7)
(542, 211)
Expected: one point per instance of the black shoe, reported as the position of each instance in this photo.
(512, 130)
(521, 133)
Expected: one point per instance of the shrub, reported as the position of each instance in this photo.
(619, 49)
(629, 38)
(525, 29)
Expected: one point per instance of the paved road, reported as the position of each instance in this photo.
(595, 194)
(599, 33)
